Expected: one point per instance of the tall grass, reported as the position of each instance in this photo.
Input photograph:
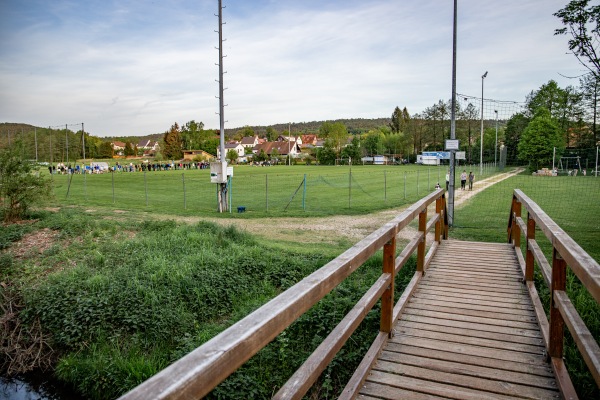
(123, 299)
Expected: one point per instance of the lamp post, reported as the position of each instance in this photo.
(496, 142)
(481, 142)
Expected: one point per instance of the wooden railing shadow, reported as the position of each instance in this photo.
(565, 253)
(197, 373)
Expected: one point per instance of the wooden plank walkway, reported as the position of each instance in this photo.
(469, 332)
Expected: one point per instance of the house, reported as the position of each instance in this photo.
(249, 142)
(296, 139)
(118, 148)
(309, 140)
(283, 148)
(241, 150)
(116, 145)
(190, 155)
(144, 144)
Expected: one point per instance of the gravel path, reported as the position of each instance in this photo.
(332, 229)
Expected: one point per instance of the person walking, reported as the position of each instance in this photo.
(471, 178)
(463, 180)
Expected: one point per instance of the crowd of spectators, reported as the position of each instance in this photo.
(99, 168)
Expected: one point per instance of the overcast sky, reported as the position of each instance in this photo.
(135, 67)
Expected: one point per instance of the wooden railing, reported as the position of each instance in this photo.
(565, 253)
(197, 373)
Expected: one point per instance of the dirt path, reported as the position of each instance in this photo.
(341, 227)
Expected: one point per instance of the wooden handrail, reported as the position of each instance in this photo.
(197, 373)
(565, 253)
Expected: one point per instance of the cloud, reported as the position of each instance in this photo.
(136, 67)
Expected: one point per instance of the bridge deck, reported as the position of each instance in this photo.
(469, 332)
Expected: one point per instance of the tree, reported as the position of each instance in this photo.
(352, 151)
(272, 134)
(128, 149)
(193, 134)
(20, 187)
(105, 150)
(469, 115)
(539, 139)
(232, 156)
(582, 23)
(396, 122)
(590, 90)
(335, 134)
(514, 130)
(374, 142)
(173, 145)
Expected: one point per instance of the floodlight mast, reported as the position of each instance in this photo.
(222, 192)
(452, 123)
(481, 142)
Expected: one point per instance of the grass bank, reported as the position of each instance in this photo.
(119, 299)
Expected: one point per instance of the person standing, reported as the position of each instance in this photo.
(471, 178)
(463, 180)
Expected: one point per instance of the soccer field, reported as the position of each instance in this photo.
(276, 190)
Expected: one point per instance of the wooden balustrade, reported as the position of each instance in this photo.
(197, 373)
(565, 253)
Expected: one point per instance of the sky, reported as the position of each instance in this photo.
(132, 68)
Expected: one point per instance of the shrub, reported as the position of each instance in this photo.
(20, 187)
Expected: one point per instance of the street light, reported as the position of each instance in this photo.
(481, 142)
(496, 143)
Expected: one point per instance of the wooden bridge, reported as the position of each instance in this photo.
(469, 325)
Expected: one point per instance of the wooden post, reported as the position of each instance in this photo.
(559, 278)
(529, 259)
(438, 224)
(387, 298)
(515, 226)
(421, 248)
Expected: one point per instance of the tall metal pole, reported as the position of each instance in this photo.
(67, 142)
(452, 123)
(35, 139)
(496, 143)
(83, 140)
(289, 138)
(51, 158)
(223, 185)
(481, 142)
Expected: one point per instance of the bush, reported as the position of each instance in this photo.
(20, 186)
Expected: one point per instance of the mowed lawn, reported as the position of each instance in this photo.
(295, 190)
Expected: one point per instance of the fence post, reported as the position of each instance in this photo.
(184, 199)
(387, 298)
(350, 189)
(559, 277)
(438, 224)
(515, 226)
(529, 255)
(304, 195)
(385, 185)
(421, 247)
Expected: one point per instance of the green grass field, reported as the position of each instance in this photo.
(574, 204)
(275, 191)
